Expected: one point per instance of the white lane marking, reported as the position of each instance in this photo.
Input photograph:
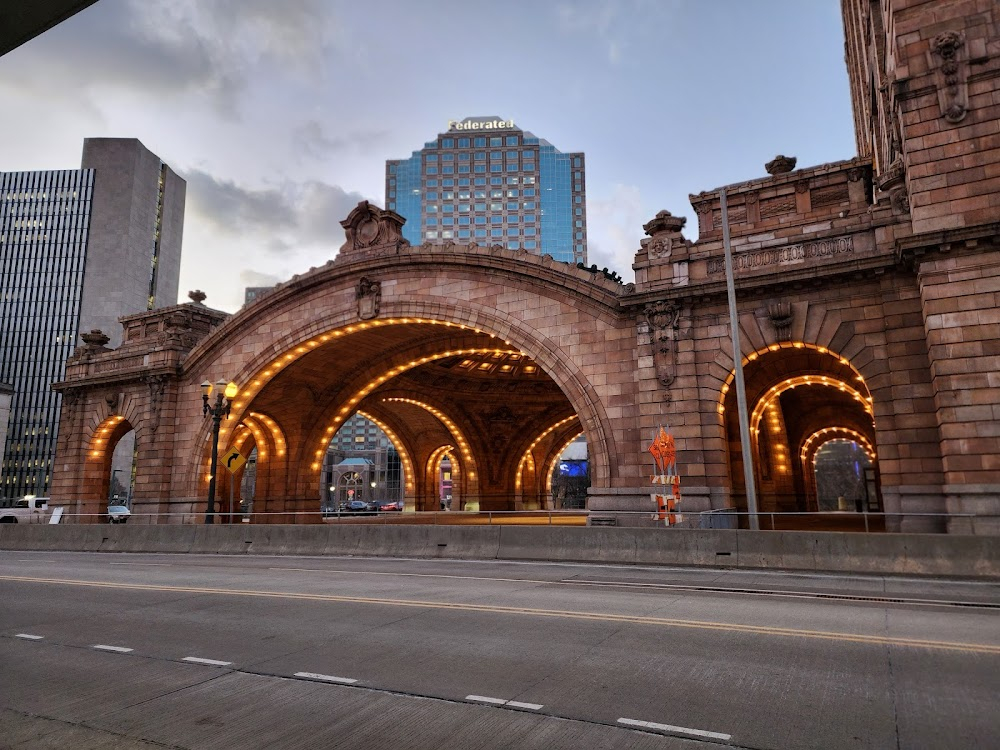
(29, 637)
(326, 678)
(157, 565)
(213, 662)
(531, 706)
(35, 561)
(502, 702)
(671, 728)
(115, 649)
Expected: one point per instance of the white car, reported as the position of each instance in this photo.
(118, 513)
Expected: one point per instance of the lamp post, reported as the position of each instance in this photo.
(225, 393)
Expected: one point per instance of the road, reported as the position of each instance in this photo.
(192, 651)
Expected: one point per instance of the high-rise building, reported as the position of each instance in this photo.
(487, 181)
(79, 248)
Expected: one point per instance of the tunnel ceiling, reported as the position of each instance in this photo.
(499, 398)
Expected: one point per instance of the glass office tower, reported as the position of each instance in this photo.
(78, 249)
(489, 182)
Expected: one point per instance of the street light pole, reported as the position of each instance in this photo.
(223, 398)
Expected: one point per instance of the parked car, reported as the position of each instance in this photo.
(390, 506)
(27, 510)
(118, 514)
(356, 506)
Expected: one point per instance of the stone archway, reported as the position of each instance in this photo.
(795, 392)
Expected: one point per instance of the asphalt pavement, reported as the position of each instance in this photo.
(197, 651)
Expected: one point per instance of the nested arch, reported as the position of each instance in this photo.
(794, 391)
(338, 325)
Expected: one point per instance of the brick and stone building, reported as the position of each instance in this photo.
(867, 301)
(485, 180)
(78, 249)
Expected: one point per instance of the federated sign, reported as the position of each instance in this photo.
(234, 461)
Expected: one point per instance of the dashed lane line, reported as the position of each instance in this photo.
(667, 622)
(669, 728)
(113, 649)
(502, 702)
(326, 678)
(29, 636)
(210, 662)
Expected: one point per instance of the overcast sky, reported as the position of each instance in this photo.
(280, 114)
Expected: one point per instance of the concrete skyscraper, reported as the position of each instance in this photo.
(78, 249)
(487, 181)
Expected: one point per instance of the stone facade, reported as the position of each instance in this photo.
(867, 306)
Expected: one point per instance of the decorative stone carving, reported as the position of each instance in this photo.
(801, 187)
(704, 211)
(197, 296)
(953, 95)
(95, 339)
(854, 174)
(780, 164)
(781, 316)
(369, 295)
(665, 236)
(663, 319)
(369, 226)
(111, 399)
(157, 384)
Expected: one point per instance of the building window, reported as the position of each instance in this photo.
(496, 167)
(495, 142)
(463, 208)
(496, 220)
(480, 181)
(430, 157)
(479, 168)
(431, 235)
(496, 180)
(447, 143)
(530, 244)
(432, 209)
(513, 245)
(529, 193)
(432, 183)
(431, 221)
(513, 231)
(480, 206)
(511, 166)
(447, 234)
(512, 206)
(480, 219)
(480, 143)
(448, 182)
(530, 232)
(447, 157)
(529, 166)
(515, 180)
(463, 142)
(463, 181)
(431, 170)
(447, 169)
(511, 140)
(494, 155)
(463, 220)
(464, 157)
(496, 233)
(464, 233)
(480, 156)
(512, 219)
(480, 232)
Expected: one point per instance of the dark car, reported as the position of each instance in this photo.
(356, 506)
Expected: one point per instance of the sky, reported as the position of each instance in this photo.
(280, 115)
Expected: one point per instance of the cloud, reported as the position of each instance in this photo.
(310, 140)
(620, 218)
(287, 218)
(162, 49)
(612, 23)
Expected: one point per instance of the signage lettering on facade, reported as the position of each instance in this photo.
(479, 124)
(783, 256)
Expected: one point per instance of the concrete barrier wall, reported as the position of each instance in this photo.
(909, 554)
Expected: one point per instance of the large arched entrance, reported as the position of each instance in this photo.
(800, 400)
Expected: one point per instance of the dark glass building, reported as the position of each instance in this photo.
(489, 182)
(78, 249)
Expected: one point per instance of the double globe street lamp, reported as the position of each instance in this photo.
(225, 393)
